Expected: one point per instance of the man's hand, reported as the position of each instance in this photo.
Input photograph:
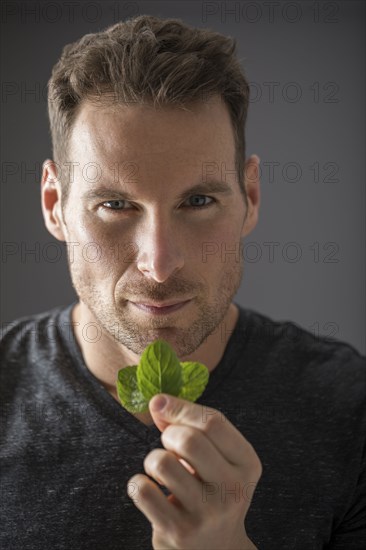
(211, 471)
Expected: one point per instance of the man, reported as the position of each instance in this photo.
(150, 190)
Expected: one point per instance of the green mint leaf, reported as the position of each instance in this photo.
(195, 378)
(128, 391)
(159, 370)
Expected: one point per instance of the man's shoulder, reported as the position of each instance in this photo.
(262, 329)
(296, 351)
(301, 373)
(23, 334)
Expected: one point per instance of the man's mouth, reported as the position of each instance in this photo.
(160, 308)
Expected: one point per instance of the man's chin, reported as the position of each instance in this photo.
(137, 344)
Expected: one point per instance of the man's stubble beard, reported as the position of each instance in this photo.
(125, 330)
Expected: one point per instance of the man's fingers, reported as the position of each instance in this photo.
(152, 502)
(218, 429)
(165, 467)
(194, 447)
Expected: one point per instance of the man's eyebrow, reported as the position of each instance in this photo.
(217, 187)
(103, 192)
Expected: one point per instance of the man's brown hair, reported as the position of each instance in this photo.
(147, 59)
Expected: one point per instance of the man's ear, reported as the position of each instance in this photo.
(252, 187)
(51, 200)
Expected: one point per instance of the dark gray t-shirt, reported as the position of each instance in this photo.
(68, 448)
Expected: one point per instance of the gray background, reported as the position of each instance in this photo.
(306, 65)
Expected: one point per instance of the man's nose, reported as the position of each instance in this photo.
(159, 250)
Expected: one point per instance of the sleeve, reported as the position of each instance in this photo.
(350, 534)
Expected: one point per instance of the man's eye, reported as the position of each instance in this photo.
(196, 200)
(115, 204)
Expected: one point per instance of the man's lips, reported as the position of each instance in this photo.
(160, 309)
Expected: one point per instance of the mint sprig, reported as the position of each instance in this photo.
(159, 371)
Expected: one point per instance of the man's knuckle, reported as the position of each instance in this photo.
(213, 421)
(188, 443)
(147, 460)
(151, 459)
(258, 468)
(162, 464)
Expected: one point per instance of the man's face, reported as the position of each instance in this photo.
(157, 246)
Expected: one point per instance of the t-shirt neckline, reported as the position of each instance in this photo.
(108, 405)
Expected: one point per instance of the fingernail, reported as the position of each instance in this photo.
(159, 403)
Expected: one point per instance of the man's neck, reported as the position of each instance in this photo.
(106, 357)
